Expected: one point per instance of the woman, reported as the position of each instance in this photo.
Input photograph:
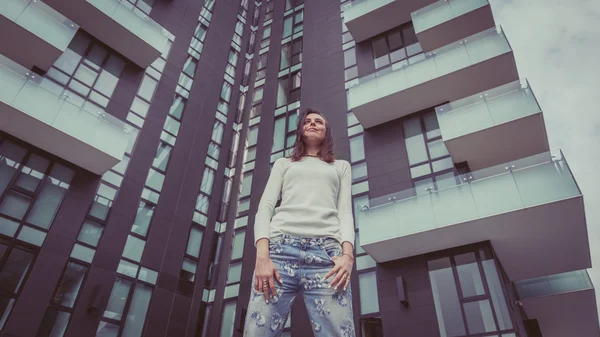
(306, 246)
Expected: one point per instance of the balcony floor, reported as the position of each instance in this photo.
(519, 138)
(566, 314)
(535, 241)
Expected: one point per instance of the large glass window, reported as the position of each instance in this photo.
(395, 45)
(127, 308)
(369, 300)
(228, 320)
(15, 263)
(89, 69)
(288, 89)
(468, 295)
(143, 218)
(238, 244)
(430, 163)
(32, 188)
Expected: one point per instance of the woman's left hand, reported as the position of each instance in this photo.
(342, 271)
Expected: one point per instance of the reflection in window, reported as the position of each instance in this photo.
(482, 303)
(155, 180)
(445, 295)
(357, 149)
(54, 323)
(118, 297)
(134, 248)
(238, 244)
(369, 300)
(228, 320)
(246, 184)
(479, 317)
(138, 308)
(395, 45)
(68, 287)
(194, 242)
(103, 201)
(90, 232)
(143, 218)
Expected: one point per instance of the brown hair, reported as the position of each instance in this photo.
(326, 152)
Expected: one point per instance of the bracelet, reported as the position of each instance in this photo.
(351, 257)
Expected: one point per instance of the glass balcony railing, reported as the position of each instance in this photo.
(41, 20)
(52, 104)
(487, 109)
(134, 20)
(442, 11)
(521, 184)
(448, 59)
(554, 284)
(369, 4)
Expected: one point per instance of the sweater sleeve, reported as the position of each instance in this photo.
(262, 221)
(344, 204)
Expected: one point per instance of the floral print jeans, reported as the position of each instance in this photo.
(302, 264)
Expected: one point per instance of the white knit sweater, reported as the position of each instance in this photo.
(316, 200)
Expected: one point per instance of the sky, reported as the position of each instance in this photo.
(557, 48)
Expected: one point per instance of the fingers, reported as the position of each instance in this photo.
(277, 277)
(347, 282)
(265, 289)
(339, 279)
(332, 271)
(256, 284)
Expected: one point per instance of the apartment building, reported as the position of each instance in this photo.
(136, 137)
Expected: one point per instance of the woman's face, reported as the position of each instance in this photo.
(314, 128)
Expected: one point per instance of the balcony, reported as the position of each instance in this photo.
(120, 25)
(43, 114)
(463, 68)
(447, 21)
(561, 303)
(34, 34)
(368, 18)
(531, 210)
(494, 126)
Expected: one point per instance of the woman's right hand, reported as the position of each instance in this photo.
(265, 272)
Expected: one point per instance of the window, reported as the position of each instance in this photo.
(163, 153)
(262, 66)
(371, 327)
(89, 69)
(143, 218)
(194, 241)
(228, 320)
(357, 148)
(127, 308)
(15, 263)
(350, 64)
(252, 135)
(369, 298)
(61, 306)
(266, 37)
(288, 89)
(90, 232)
(291, 54)
(31, 191)
(429, 160)
(246, 187)
(395, 45)
(238, 244)
(143, 5)
(189, 68)
(208, 179)
(269, 10)
(289, 4)
(476, 300)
